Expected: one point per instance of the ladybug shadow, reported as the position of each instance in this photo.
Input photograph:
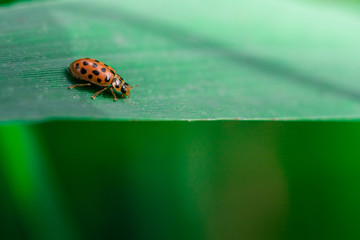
(91, 89)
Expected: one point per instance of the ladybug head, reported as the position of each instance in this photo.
(121, 86)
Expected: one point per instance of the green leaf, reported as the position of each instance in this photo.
(192, 60)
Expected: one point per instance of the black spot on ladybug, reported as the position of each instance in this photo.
(96, 61)
(107, 79)
(103, 69)
(85, 63)
(99, 80)
(77, 66)
(94, 65)
(83, 71)
(90, 76)
(123, 88)
(96, 72)
(112, 71)
(106, 65)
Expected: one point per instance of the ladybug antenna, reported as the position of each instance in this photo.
(134, 86)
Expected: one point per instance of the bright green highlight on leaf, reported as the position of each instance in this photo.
(258, 59)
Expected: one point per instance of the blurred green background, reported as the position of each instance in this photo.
(180, 180)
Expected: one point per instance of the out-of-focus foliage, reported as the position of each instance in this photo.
(178, 180)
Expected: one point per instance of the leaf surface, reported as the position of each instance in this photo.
(257, 60)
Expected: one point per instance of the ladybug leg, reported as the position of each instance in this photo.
(111, 90)
(80, 85)
(97, 93)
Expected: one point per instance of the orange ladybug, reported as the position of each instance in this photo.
(98, 73)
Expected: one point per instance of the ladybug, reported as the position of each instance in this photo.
(98, 73)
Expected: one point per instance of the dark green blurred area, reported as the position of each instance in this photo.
(180, 180)
(10, 1)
